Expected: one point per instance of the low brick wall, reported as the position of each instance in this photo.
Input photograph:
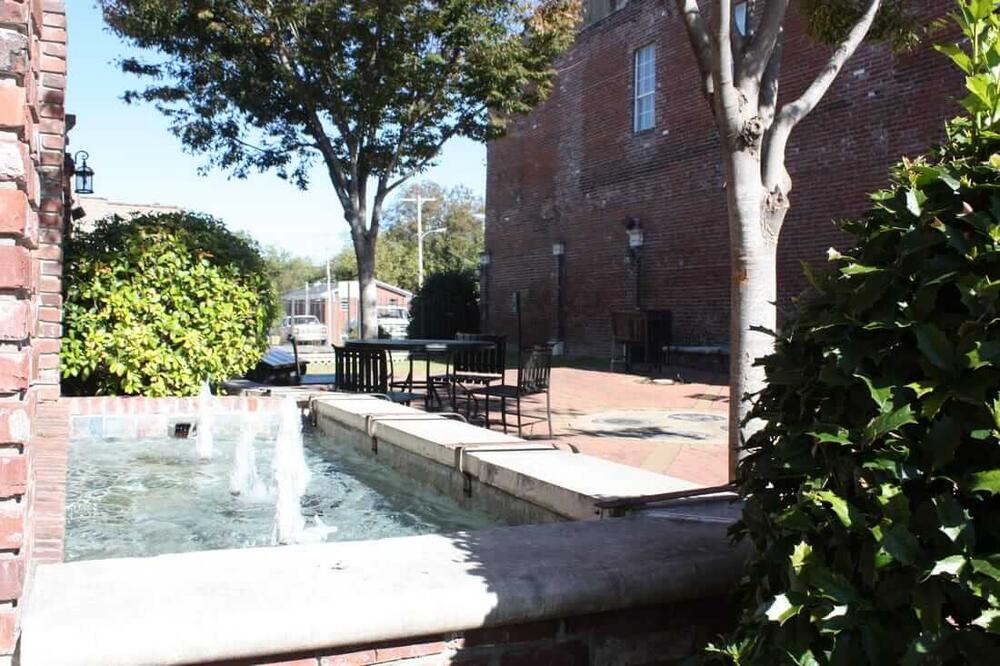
(664, 634)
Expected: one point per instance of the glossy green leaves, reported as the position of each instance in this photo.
(873, 489)
(157, 304)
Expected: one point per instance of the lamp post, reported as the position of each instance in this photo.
(420, 200)
(559, 252)
(485, 259)
(633, 227)
(84, 174)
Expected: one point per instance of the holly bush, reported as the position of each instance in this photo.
(872, 490)
(158, 303)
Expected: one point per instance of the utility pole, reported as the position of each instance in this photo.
(420, 200)
(329, 306)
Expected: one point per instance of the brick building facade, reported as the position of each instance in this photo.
(571, 174)
(34, 190)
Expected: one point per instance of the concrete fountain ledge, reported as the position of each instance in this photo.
(247, 604)
(517, 480)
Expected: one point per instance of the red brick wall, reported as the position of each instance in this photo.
(574, 171)
(32, 214)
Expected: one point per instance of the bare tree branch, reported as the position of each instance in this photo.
(727, 99)
(700, 44)
(793, 112)
(762, 43)
(770, 80)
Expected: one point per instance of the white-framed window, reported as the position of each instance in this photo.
(644, 103)
(740, 18)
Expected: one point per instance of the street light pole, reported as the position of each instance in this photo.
(420, 200)
(329, 306)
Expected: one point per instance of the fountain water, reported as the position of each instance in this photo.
(244, 480)
(291, 476)
(204, 443)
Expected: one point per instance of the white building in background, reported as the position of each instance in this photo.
(96, 208)
(316, 300)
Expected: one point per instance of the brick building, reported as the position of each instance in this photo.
(602, 151)
(34, 191)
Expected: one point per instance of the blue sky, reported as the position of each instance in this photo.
(136, 159)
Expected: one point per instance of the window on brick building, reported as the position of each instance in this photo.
(740, 18)
(645, 88)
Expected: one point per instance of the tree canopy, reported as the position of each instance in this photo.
(457, 248)
(372, 90)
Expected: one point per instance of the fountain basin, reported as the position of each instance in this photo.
(137, 497)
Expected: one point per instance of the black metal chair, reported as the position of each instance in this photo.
(366, 371)
(478, 367)
(534, 373)
(628, 331)
(659, 337)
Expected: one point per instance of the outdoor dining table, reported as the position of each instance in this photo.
(443, 348)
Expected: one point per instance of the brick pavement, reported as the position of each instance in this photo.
(578, 394)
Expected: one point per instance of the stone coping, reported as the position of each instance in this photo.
(240, 604)
(567, 484)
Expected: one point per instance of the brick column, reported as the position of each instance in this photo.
(32, 218)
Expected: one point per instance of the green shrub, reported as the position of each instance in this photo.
(447, 304)
(156, 304)
(873, 488)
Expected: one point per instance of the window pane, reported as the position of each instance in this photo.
(740, 18)
(645, 88)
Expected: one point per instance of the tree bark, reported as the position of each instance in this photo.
(364, 251)
(753, 290)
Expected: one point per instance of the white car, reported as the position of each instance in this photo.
(394, 320)
(305, 329)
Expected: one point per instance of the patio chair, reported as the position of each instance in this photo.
(659, 337)
(628, 329)
(366, 371)
(426, 355)
(533, 378)
(480, 367)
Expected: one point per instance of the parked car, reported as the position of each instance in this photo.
(305, 328)
(393, 320)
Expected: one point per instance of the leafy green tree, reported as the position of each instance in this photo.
(158, 303)
(740, 76)
(873, 491)
(457, 248)
(447, 304)
(372, 89)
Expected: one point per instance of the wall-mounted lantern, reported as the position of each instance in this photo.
(84, 174)
(485, 259)
(558, 249)
(633, 227)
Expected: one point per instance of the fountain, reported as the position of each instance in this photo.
(291, 475)
(244, 480)
(204, 444)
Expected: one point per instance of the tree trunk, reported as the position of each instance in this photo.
(368, 298)
(753, 294)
